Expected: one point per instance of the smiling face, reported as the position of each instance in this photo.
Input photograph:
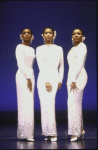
(77, 36)
(48, 35)
(26, 35)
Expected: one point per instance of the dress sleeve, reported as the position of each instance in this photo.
(61, 66)
(19, 53)
(81, 57)
(39, 59)
(40, 62)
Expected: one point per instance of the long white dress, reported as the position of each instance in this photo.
(25, 56)
(51, 66)
(76, 73)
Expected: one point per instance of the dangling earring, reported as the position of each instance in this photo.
(32, 38)
(83, 38)
(54, 36)
(31, 41)
(72, 41)
(21, 38)
(43, 38)
(53, 39)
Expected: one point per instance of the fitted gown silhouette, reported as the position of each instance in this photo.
(76, 73)
(51, 69)
(25, 56)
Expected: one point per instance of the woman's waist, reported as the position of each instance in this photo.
(27, 68)
(46, 69)
(74, 68)
(49, 72)
(30, 70)
(71, 71)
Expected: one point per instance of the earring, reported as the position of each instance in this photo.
(32, 38)
(31, 41)
(53, 39)
(22, 41)
(21, 38)
(54, 36)
(83, 38)
(43, 37)
(44, 40)
(72, 41)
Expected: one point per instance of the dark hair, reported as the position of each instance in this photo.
(80, 30)
(49, 28)
(29, 29)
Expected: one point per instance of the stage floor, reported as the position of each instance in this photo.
(8, 138)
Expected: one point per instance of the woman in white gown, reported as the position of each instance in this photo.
(25, 81)
(51, 66)
(76, 82)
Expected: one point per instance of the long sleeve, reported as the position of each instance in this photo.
(61, 66)
(39, 59)
(81, 57)
(40, 62)
(21, 63)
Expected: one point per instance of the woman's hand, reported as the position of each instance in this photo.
(29, 84)
(48, 87)
(59, 85)
(73, 87)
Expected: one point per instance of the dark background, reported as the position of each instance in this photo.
(62, 16)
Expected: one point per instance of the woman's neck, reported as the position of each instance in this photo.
(48, 42)
(76, 44)
(27, 43)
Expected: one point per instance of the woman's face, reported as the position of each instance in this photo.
(48, 35)
(77, 36)
(26, 34)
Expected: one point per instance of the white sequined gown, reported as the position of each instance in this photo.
(51, 67)
(25, 56)
(77, 73)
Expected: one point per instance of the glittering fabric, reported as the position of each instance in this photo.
(25, 99)
(49, 59)
(76, 73)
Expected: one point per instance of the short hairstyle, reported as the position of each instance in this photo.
(80, 30)
(29, 29)
(49, 28)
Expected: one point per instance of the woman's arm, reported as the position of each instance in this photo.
(81, 57)
(61, 69)
(20, 62)
(82, 53)
(41, 66)
(39, 58)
